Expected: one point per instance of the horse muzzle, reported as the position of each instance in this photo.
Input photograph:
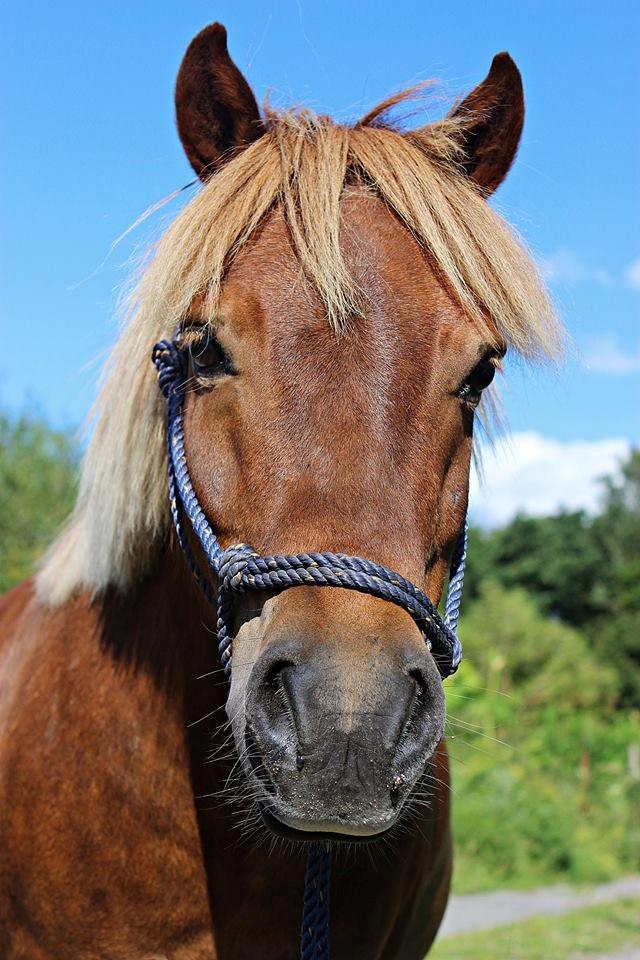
(333, 743)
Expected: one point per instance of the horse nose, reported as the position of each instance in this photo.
(339, 743)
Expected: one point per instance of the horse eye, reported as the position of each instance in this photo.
(208, 358)
(480, 377)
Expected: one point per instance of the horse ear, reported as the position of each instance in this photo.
(491, 120)
(216, 111)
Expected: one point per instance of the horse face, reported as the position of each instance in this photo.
(300, 440)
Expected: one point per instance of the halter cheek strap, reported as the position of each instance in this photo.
(239, 569)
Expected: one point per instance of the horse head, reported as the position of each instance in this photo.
(333, 382)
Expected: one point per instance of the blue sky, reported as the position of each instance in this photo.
(89, 143)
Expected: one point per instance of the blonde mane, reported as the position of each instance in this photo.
(302, 163)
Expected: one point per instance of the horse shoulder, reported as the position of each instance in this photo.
(98, 832)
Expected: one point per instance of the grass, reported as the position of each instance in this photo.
(578, 935)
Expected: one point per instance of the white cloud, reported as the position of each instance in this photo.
(633, 274)
(604, 355)
(566, 266)
(537, 475)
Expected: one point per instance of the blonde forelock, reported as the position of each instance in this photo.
(301, 164)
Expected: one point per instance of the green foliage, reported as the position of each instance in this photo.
(616, 636)
(545, 711)
(542, 786)
(543, 662)
(554, 558)
(583, 571)
(37, 490)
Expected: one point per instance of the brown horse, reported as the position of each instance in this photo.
(347, 293)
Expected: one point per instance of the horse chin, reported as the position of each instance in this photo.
(290, 828)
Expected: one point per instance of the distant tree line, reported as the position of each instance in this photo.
(38, 468)
(580, 570)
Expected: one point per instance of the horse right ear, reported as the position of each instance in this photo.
(490, 124)
(216, 111)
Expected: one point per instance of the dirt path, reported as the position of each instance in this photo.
(634, 955)
(480, 911)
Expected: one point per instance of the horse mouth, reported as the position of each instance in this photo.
(291, 824)
(288, 832)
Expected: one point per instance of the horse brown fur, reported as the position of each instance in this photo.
(115, 840)
(107, 852)
(119, 836)
(304, 167)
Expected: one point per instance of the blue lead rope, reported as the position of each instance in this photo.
(239, 569)
(314, 932)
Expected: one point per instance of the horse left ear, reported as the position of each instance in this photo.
(216, 110)
(491, 120)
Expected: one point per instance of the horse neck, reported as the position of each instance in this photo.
(166, 629)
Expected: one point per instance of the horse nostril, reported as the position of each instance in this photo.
(273, 676)
(419, 701)
(419, 732)
(418, 678)
(395, 790)
(271, 714)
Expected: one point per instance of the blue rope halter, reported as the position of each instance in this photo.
(239, 569)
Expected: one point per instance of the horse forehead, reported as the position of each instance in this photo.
(266, 298)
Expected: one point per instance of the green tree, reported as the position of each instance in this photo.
(556, 559)
(37, 488)
(515, 648)
(541, 784)
(581, 570)
(616, 635)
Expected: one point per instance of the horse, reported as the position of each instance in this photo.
(343, 295)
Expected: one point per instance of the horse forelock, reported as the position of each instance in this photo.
(303, 165)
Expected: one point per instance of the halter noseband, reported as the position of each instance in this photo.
(240, 569)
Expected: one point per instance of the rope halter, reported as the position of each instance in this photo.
(239, 569)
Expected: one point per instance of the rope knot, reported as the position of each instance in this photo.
(233, 565)
(170, 362)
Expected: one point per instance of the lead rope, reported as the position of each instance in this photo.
(314, 932)
(239, 569)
